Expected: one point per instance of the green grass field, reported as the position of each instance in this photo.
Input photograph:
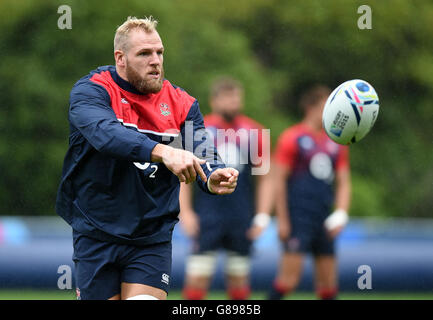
(29, 294)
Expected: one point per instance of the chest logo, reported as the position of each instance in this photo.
(165, 109)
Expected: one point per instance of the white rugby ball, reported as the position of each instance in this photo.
(350, 111)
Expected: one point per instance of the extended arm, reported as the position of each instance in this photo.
(91, 114)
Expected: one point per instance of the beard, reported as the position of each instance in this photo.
(229, 116)
(141, 84)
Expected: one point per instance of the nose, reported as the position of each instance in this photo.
(155, 59)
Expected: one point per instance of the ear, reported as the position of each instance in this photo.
(119, 58)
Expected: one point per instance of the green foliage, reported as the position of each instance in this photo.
(319, 41)
(275, 47)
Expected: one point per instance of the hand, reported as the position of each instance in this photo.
(254, 232)
(223, 181)
(284, 229)
(260, 222)
(335, 222)
(184, 164)
(190, 223)
(335, 232)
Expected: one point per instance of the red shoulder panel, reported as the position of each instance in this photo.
(287, 147)
(162, 113)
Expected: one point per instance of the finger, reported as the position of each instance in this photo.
(229, 188)
(227, 173)
(230, 179)
(181, 177)
(233, 172)
(185, 172)
(232, 184)
(199, 170)
(222, 173)
(233, 179)
(192, 173)
(227, 184)
(225, 190)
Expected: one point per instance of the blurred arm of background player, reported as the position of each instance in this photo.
(280, 176)
(342, 196)
(264, 205)
(342, 199)
(187, 216)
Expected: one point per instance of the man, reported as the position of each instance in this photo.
(120, 182)
(227, 222)
(306, 164)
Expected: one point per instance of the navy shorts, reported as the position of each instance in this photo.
(101, 267)
(308, 234)
(228, 234)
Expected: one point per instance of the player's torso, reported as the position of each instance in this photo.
(316, 156)
(158, 116)
(313, 173)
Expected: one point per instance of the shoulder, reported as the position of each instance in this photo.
(292, 133)
(212, 120)
(95, 83)
(100, 75)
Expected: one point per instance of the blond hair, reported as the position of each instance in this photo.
(147, 24)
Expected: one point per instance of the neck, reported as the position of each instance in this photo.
(312, 124)
(121, 73)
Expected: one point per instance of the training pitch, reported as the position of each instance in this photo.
(30, 294)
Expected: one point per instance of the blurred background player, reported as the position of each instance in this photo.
(226, 222)
(307, 165)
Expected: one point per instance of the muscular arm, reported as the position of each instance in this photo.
(91, 114)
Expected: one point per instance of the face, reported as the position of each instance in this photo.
(228, 103)
(316, 111)
(143, 62)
